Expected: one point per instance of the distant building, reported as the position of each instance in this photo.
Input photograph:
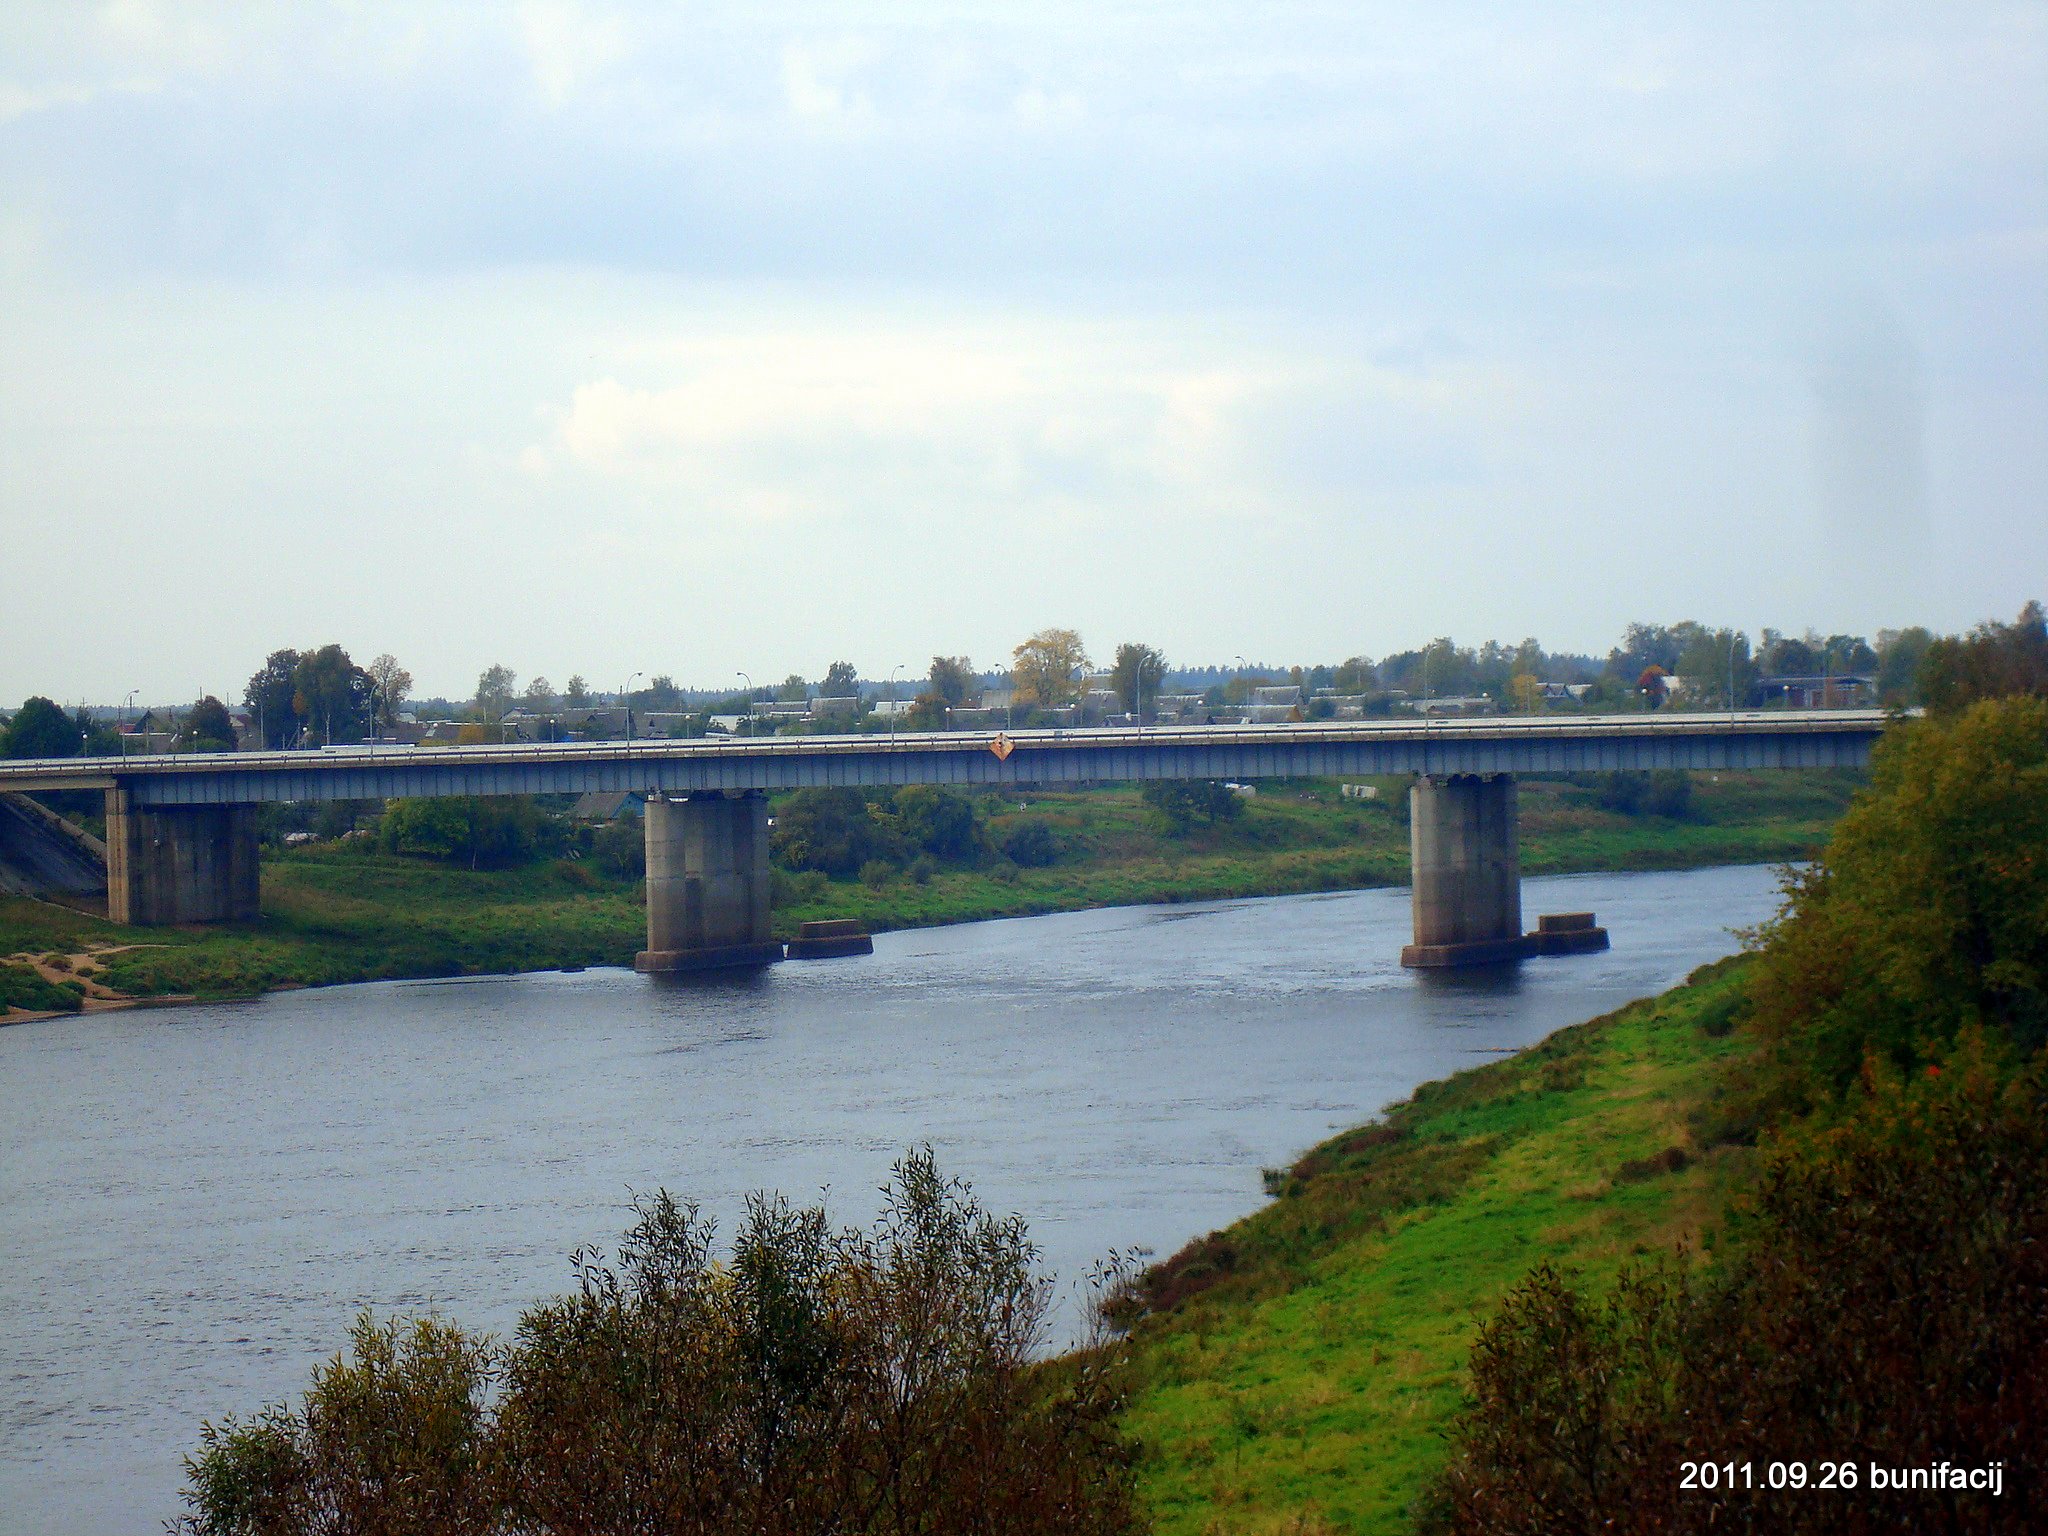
(893, 709)
(1471, 704)
(1840, 691)
(606, 805)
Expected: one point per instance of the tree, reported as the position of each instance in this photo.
(331, 694)
(1047, 669)
(40, 728)
(208, 728)
(1183, 803)
(494, 691)
(841, 682)
(939, 822)
(1900, 653)
(831, 830)
(392, 685)
(1137, 675)
(539, 696)
(1525, 690)
(1924, 915)
(480, 831)
(1994, 661)
(577, 694)
(953, 679)
(1652, 685)
(272, 697)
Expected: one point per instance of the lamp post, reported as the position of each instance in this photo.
(626, 698)
(747, 727)
(126, 705)
(894, 673)
(1734, 638)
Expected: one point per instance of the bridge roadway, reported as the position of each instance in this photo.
(182, 843)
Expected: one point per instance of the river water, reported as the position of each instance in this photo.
(195, 1201)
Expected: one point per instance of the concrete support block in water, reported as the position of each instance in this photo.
(707, 883)
(1567, 933)
(831, 939)
(180, 863)
(1467, 871)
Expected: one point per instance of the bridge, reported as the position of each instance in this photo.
(182, 845)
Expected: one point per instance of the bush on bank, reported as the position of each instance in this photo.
(810, 1381)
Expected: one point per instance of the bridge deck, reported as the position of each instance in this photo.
(1536, 744)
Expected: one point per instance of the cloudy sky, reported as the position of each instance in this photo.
(693, 337)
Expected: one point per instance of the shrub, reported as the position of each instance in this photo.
(796, 888)
(832, 830)
(938, 821)
(877, 873)
(1031, 843)
(1884, 1304)
(481, 831)
(813, 1380)
(1182, 804)
(620, 848)
(22, 986)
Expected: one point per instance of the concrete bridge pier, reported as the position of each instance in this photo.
(1467, 870)
(707, 883)
(180, 863)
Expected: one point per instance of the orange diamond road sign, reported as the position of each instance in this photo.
(1002, 746)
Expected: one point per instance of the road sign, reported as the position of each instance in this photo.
(1002, 746)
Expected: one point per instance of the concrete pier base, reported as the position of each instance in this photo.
(1467, 870)
(1567, 933)
(180, 863)
(707, 884)
(831, 939)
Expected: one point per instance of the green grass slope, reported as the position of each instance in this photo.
(1303, 1363)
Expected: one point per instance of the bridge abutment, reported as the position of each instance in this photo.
(707, 883)
(180, 863)
(1467, 871)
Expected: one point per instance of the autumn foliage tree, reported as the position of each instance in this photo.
(1047, 669)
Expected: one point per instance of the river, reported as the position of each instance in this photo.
(195, 1201)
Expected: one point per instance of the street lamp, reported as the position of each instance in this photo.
(747, 727)
(893, 674)
(127, 704)
(1734, 638)
(626, 698)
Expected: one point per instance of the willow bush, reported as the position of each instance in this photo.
(812, 1380)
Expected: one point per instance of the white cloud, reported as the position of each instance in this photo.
(568, 47)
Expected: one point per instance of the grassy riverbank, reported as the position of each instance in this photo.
(340, 912)
(1304, 1363)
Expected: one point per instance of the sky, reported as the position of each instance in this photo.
(691, 338)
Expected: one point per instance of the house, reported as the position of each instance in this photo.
(839, 706)
(1838, 691)
(1182, 709)
(893, 709)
